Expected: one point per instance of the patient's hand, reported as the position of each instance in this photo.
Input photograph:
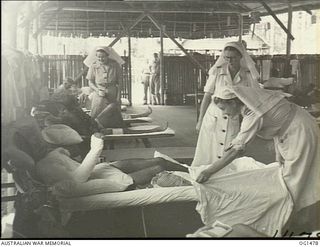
(97, 142)
(204, 176)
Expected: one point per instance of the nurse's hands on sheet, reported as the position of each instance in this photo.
(204, 176)
(198, 126)
(96, 142)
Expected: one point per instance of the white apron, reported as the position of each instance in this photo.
(216, 133)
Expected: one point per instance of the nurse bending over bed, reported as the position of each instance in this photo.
(71, 178)
(295, 133)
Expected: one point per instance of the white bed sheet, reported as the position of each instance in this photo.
(141, 197)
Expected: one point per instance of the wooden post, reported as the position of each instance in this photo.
(288, 47)
(240, 27)
(129, 68)
(26, 37)
(161, 65)
(35, 37)
(196, 98)
(288, 51)
(40, 44)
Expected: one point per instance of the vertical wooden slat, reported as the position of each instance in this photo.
(240, 27)
(129, 68)
(289, 27)
(161, 67)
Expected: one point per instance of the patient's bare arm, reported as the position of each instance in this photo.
(82, 173)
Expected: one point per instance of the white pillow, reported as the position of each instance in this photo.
(125, 102)
(60, 134)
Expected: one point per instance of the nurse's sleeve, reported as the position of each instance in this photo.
(250, 125)
(211, 81)
(252, 82)
(91, 74)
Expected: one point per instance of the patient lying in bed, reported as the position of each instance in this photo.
(64, 109)
(70, 178)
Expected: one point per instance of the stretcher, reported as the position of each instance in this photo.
(143, 136)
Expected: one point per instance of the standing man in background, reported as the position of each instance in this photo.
(155, 79)
(145, 80)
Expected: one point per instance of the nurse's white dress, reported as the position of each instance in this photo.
(218, 130)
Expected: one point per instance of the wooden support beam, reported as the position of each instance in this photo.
(161, 66)
(129, 68)
(288, 50)
(269, 10)
(192, 59)
(26, 37)
(46, 23)
(151, 10)
(307, 10)
(35, 38)
(240, 27)
(140, 17)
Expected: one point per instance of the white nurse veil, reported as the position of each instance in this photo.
(91, 58)
(245, 62)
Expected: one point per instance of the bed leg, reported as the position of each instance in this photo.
(146, 142)
(144, 223)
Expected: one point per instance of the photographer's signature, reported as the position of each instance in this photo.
(289, 234)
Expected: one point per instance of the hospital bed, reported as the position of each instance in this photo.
(181, 154)
(150, 208)
(151, 211)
